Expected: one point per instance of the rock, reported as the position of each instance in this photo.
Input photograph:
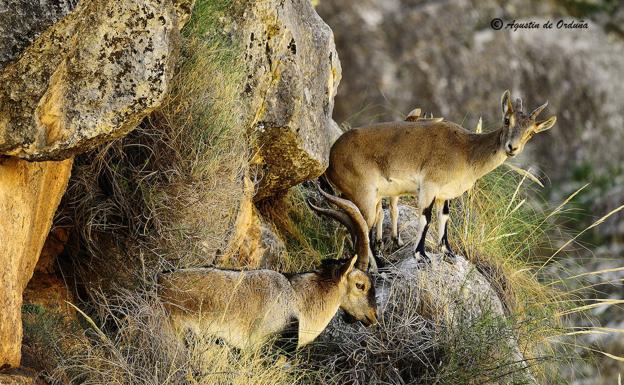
(421, 311)
(254, 243)
(53, 246)
(335, 131)
(29, 196)
(408, 226)
(21, 21)
(453, 291)
(443, 281)
(47, 288)
(19, 377)
(89, 78)
(419, 308)
(293, 72)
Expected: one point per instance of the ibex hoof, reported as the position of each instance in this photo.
(450, 257)
(422, 258)
(397, 242)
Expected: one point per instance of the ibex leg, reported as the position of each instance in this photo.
(443, 243)
(394, 214)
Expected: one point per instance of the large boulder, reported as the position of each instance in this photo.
(293, 72)
(89, 78)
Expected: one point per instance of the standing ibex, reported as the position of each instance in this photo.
(434, 160)
(413, 116)
(245, 308)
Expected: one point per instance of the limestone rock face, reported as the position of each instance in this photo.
(89, 78)
(29, 195)
(73, 75)
(254, 242)
(21, 21)
(293, 73)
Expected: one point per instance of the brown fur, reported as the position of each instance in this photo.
(246, 307)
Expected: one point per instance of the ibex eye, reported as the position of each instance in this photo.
(360, 286)
(506, 121)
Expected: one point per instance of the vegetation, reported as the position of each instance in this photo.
(173, 186)
(139, 201)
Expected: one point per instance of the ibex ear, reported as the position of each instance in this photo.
(506, 103)
(545, 124)
(348, 267)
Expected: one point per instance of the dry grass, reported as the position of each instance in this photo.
(172, 188)
(128, 341)
(309, 238)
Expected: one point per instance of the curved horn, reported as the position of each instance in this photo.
(362, 245)
(538, 110)
(338, 216)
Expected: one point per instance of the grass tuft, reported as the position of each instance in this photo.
(172, 188)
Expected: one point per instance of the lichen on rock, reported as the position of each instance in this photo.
(293, 72)
(89, 78)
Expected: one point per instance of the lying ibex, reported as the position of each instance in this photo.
(245, 308)
(436, 161)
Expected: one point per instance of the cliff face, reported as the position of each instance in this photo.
(293, 73)
(445, 58)
(81, 73)
(87, 77)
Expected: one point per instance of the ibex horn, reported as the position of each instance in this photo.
(538, 110)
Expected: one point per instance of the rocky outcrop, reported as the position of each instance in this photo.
(254, 242)
(293, 72)
(21, 21)
(89, 78)
(29, 195)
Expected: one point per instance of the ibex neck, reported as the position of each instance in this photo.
(318, 301)
(486, 152)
